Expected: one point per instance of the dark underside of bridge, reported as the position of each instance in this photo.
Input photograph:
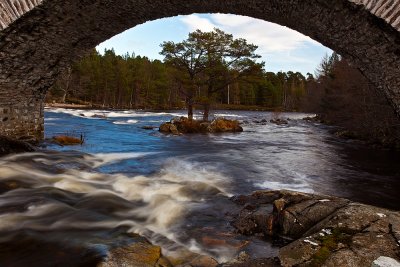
(40, 38)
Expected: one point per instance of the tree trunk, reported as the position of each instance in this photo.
(64, 96)
(190, 111)
(189, 104)
(206, 112)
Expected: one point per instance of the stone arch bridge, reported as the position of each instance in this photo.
(40, 38)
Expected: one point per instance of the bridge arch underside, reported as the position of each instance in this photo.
(39, 39)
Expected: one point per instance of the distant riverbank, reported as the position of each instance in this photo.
(215, 107)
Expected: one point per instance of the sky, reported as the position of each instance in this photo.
(281, 48)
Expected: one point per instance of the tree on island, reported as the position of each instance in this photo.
(211, 60)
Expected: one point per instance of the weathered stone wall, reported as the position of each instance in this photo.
(21, 117)
(36, 46)
(12, 10)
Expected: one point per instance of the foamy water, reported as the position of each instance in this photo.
(153, 205)
(95, 113)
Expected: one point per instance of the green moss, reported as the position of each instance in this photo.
(328, 244)
(320, 256)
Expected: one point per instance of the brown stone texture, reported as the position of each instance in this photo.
(326, 230)
(40, 38)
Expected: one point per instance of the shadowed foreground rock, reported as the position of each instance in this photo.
(11, 146)
(326, 231)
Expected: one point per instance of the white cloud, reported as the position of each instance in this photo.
(281, 48)
(194, 22)
(270, 37)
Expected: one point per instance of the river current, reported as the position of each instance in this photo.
(175, 190)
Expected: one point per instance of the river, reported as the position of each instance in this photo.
(175, 190)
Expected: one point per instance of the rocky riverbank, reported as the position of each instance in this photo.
(325, 230)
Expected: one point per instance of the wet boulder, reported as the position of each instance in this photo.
(137, 254)
(168, 128)
(222, 125)
(182, 257)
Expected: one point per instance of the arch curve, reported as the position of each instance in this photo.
(39, 38)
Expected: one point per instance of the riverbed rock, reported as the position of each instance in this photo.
(11, 146)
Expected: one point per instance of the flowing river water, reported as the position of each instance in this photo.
(175, 190)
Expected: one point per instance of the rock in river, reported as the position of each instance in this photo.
(182, 125)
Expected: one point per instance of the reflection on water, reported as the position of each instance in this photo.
(175, 190)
